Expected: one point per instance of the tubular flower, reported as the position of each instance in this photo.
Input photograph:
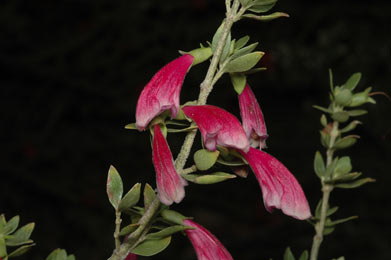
(169, 184)
(280, 188)
(218, 126)
(206, 245)
(252, 118)
(162, 92)
(131, 257)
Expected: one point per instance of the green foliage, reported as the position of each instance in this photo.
(11, 236)
(151, 247)
(210, 178)
(60, 254)
(131, 198)
(114, 187)
(205, 159)
(238, 82)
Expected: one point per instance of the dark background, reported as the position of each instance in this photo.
(71, 72)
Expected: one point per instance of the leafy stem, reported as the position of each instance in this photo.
(326, 189)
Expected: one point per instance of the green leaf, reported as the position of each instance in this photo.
(114, 187)
(173, 216)
(149, 196)
(325, 139)
(330, 168)
(71, 257)
(345, 142)
(339, 221)
(209, 178)
(131, 126)
(21, 250)
(167, 232)
(231, 163)
(358, 112)
(128, 229)
(244, 51)
(328, 230)
(187, 129)
(343, 97)
(323, 109)
(331, 211)
(3, 248)
(361, 98)
(347, 177)
(331, 81)
(200, 55)
(304, 255)
(241, 42)
(245, 2)
(323, 120)
(343, 166)
(57, 254)
(351, 126)
(21, 236)
(131, 198)
(238, 81)
(151, 247)
(288, 255)
(339, 258)
(2, 222)
(205, 159)
(244, 63)
(262, 6)
(354, 184)
(266, 18)
(341, 116)
(11, 225)
(353, 81)
(319, 165)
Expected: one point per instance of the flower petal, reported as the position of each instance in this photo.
(206, 245)
(218, 127)
(162, 92)
(252, 118)
(169, 184)
(131, 257)
(280, 189)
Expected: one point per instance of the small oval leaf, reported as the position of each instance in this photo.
(114, 187)
(151, 247)
(205, 159)
(238, 81)
(244, 63)
(131, 198)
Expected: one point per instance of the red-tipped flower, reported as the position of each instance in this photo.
(252, 118)
(280, 188)
(131, 257)
(162, 92)
(218, 127)
(169, 184)
(206, 245)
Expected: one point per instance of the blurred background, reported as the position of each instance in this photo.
(71, 72)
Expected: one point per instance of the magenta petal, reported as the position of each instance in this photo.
(162, 92)
(280, 189)
(218, 127)
(169, 184)
(252, 118)
(206, 245)
(131, 257)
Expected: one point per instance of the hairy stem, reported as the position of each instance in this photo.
(326, 189)
(117, 228)
(134, 238)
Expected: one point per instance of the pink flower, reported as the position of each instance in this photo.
(218, 126)
(162, 92)
(252, 118)
(169, 184)
(279, 187)
(206, 245)
(131, 257)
